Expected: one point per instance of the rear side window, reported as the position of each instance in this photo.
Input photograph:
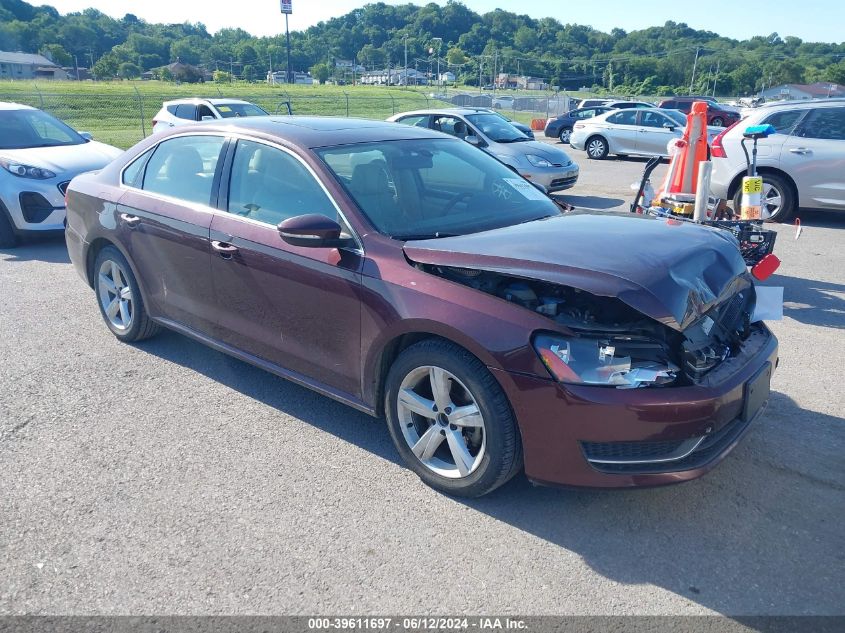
(418, 120)
(669, 104)
(133, 173)
(824, 123)
(784, 122)
(625, 117)
(269, 185)
(186, 111)
(184, 168)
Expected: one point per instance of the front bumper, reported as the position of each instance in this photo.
(619, 438)
(553, 178)
(37, 205)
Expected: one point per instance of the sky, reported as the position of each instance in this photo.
(811, 20)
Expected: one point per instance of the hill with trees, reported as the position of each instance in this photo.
(655, 61)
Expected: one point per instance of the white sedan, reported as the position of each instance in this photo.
(39, 155)
(634, 131)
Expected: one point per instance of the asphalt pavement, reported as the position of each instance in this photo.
(166, 478)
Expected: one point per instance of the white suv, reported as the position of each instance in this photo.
(801, 165)
(186, 111)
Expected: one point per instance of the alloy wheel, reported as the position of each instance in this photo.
(441, 422)
(771, 201)
(565, 135)
(596, 148)
(115, 294)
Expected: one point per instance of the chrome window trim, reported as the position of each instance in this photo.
(235, 137)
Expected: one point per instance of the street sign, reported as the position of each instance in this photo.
(286, 6)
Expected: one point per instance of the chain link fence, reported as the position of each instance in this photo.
(122, 119)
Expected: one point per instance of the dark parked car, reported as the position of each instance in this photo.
(717, 115)
(561, 126)
(407, 274)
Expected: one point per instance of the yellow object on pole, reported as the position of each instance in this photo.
(752, 192)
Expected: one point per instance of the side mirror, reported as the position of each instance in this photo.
(473, 140)
(87, 136)
(207, 117)
(313, 231)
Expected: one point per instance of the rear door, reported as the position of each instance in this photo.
(623, 132)
(814, 156)
(298, 308)
(164, 219)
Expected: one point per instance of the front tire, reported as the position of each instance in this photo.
(450, 420)
(777, 200)
(597, 148)
(717, 122)
(119, 297)
(8, 237)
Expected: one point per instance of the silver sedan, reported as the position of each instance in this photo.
(536, 161)
(636, 131)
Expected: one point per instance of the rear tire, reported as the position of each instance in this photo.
(597, 148)
(565, 135)
(119, 298)
(717, 122)
(781, 199)
(453, 424)
(8, 237)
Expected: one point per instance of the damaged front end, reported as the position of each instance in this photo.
(609, 343)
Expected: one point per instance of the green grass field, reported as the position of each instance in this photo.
(120, 113)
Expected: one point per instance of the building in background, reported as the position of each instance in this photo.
(505, 81)
(818, 90)
(29, 66)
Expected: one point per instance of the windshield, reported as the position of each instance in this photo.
(426, 188)
(229, 110)
(22, 129)
(496, 129)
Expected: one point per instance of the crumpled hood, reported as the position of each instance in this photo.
(668, 270)
(68, 159)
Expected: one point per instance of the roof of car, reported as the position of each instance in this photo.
(809, 103)
(313, 132)
(204, 100)
(461, 110)
(8, 105)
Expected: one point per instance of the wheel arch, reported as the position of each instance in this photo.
(94, 248)
(379, 362)
(737, 181)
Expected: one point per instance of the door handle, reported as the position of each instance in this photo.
(800, 150)
(225, 249)
(130, 220)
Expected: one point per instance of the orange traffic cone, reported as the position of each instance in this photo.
(685, 155)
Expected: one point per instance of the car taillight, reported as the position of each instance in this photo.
(717, 150)
(154, 124)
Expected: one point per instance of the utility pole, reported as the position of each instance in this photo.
(405, 37)
(694, 64)
(479, 75)
(610, 74)
(716, 77)
(231, 69)
(287, 9)
(439, 41)
(495, 63)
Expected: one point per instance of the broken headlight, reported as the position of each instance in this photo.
(603, 361)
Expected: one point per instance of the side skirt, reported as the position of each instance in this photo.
(281, 372)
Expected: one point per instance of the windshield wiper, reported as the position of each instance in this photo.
(518, 139)
(424, 236)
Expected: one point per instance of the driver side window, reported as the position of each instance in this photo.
(270, 185)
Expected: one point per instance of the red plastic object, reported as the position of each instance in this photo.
(763, 269)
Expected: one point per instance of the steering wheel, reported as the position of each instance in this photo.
(455, 200)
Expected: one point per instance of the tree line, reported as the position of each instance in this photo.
(668, 59)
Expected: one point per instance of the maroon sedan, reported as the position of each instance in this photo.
(409, 275)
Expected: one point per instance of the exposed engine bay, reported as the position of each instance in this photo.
(633, 350)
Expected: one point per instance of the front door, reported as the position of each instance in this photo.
(298, 308)
(654, 135)
(814, 155)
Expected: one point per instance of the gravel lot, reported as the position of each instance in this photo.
(167, 478)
